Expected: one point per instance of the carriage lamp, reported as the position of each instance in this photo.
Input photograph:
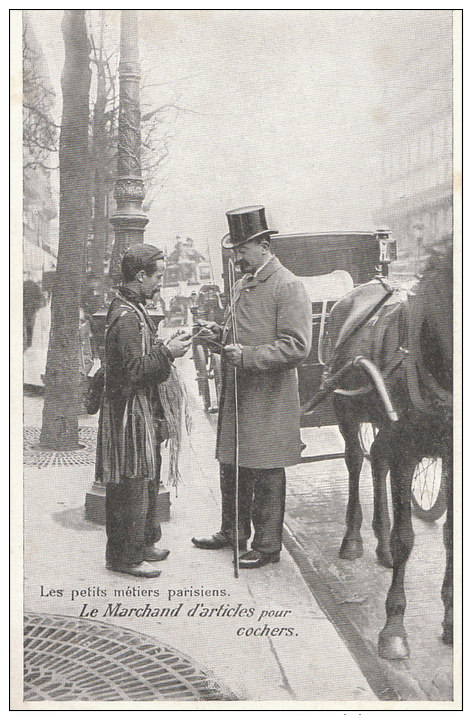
(387, 249)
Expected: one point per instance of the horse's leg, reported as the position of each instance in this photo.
(447, 586)
(379, 455)
(351, 546)
(393, 642)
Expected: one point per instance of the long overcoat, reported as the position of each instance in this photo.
(274, 324)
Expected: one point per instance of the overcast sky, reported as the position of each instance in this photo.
(284, 109)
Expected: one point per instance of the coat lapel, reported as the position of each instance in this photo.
(247, 282)
(272, 265)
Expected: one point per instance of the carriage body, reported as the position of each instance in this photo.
(343, 259)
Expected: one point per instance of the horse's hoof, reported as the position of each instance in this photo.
(351, 549)
(384, 557)
(447, 635)
(393, 647)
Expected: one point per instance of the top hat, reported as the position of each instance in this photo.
(244, 225)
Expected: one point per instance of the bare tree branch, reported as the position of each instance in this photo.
(40, 135)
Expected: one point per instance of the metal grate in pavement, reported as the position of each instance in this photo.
(35, 456)
(69, 658)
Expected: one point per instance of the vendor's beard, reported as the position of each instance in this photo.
(242, 266)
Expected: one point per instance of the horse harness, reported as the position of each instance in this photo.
(391, 327)
(385, 330)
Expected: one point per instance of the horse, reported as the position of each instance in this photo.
(404, 345)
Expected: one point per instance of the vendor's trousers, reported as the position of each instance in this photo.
(261, 499)
(131, 520)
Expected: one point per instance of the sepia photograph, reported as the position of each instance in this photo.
(236, 240)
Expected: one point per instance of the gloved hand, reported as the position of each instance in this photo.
(234, 354)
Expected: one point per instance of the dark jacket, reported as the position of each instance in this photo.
(136, 363)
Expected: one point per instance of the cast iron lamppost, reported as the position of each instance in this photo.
(129, 219)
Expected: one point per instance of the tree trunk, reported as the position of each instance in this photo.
(61, 401)
(103, 174)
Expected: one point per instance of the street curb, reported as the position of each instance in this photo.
(386, 685)
(386, 682)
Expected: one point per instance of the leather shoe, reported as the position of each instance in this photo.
(255, 559)
(214, 543)
(142, 570)
(152, 553)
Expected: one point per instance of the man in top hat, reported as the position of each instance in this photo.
(128, 443)
(273, 335)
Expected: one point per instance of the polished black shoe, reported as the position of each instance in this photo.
(152, 553)
(256, 559)
(215, 542)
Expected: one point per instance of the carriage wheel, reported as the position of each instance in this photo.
(202, 376)
(428, 489)
(216, 364)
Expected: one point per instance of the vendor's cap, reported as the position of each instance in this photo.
(138, 256)
(245, 224)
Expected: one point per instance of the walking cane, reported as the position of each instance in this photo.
(232, 281)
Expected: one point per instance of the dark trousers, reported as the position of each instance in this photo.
(131, 520)
(261, 499)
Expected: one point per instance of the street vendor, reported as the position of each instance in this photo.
(273, 335)
(128, 443)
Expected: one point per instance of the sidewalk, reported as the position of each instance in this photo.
(304, 660)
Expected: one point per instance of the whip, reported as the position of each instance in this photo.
(232, 308)
(209, 259)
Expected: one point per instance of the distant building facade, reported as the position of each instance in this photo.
(417, 168)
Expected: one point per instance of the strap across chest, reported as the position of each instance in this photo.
(147, 332)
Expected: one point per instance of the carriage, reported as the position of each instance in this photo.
(331, 264)
(180, 283)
